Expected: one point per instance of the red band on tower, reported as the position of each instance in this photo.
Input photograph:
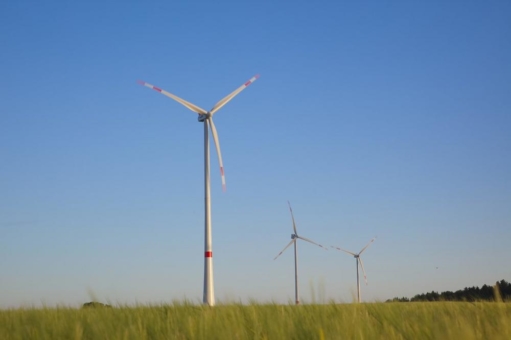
(208, 254)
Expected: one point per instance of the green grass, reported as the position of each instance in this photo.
(424, 320)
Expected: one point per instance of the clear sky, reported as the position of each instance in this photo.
(388, 119)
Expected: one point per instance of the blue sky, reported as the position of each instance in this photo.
(387, 119)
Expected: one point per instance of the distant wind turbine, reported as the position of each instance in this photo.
(294, 237)
(358, 260)
(206, 117)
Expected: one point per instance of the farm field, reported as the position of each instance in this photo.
(421, 320)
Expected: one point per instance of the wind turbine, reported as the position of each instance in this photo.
(206, 117)
(294, 237)
(358, 260)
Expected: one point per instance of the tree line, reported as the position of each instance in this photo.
(501, 291)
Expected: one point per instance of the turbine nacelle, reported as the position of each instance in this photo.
(293, 236)
(202, 117)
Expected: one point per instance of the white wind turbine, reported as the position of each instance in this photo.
(294, 237)
(206, 117)
(358, 260)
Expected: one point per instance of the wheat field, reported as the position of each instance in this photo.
(183, 320)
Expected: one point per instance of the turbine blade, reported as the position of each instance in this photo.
(349, 252)
(290, 243)
(218, 151)
(189, 105)
(311, 241)
(228, 98)
(292, 217)
(363, 270)
(367, 246)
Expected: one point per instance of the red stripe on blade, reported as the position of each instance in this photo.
(208, 254)
(156, 88)
(221, 170)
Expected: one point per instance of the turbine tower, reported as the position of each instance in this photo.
(206, 117)
(358, 260)
(294, 237)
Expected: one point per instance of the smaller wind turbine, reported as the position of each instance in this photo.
(358, 260)
(294, 237)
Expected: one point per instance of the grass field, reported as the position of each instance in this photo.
(425, 320)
